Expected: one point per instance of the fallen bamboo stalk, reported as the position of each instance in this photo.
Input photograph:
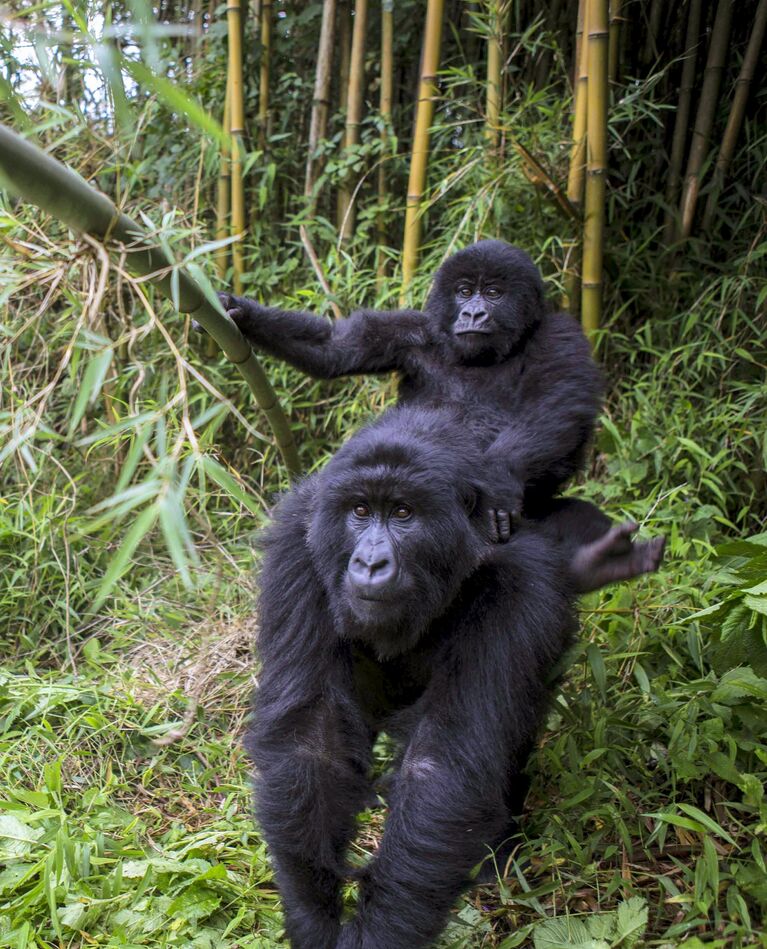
(41, 180)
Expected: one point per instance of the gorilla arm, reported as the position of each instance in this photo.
(366, 341)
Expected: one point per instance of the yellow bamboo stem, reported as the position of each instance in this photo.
(237, 129)
(354, 101)
(596, 173)
(223, 194)
(493, 89)
(576, 176)
(385, 107)
(263, 87)
(427, 91)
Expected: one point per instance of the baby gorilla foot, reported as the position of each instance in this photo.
(614, 557)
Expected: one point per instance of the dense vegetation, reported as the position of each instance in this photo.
(135, 472)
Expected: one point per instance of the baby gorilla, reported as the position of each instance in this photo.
(513, 375)
(385, 607)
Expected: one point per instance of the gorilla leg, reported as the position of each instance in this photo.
(433, 836)
(598, 552)
(311, 781)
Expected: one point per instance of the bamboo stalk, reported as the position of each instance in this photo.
(263, 86)
(704, 120)
(737, 111)
(596, 173)
(542, 71)
(615, 41)
(577, 171)
(427, 92)
(679, 139)
(237, 130)
(653, 31)
(345, 44)
(223, 199)
(354, 101)
(385, 109)
(318, 125)
(36, 177)
(493, 86)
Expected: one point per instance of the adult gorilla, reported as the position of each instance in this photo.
(521, 380)
(384, 606)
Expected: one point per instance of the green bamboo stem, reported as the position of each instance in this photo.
(737, 111)
(27, 171)
(427, 91)
(704, 120)
(596, 172)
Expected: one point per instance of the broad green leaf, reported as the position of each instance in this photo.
(16, 838)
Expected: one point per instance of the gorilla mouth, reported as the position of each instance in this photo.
(473, 332)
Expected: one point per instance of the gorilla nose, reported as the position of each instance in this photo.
(371, 571)
(473, 317)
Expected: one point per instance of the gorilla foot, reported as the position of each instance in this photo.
(615, 557)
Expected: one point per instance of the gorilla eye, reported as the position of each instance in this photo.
(493, 293)
(361, 510)
(464, 291)
(402, 512)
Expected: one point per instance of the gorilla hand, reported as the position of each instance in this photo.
(506, 492)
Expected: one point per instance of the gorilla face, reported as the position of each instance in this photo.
(485, 298)
(394, 535)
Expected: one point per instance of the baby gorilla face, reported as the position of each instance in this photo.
(485, 298)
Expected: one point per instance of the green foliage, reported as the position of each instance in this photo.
(134, 475)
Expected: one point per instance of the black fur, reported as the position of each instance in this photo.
(453, 660)
(524, 385)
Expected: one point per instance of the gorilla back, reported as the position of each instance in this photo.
(384, 606)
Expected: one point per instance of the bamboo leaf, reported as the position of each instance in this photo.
(225, 480)
(90, 386)
(175, 98)
(121, 560)
(177, 537)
